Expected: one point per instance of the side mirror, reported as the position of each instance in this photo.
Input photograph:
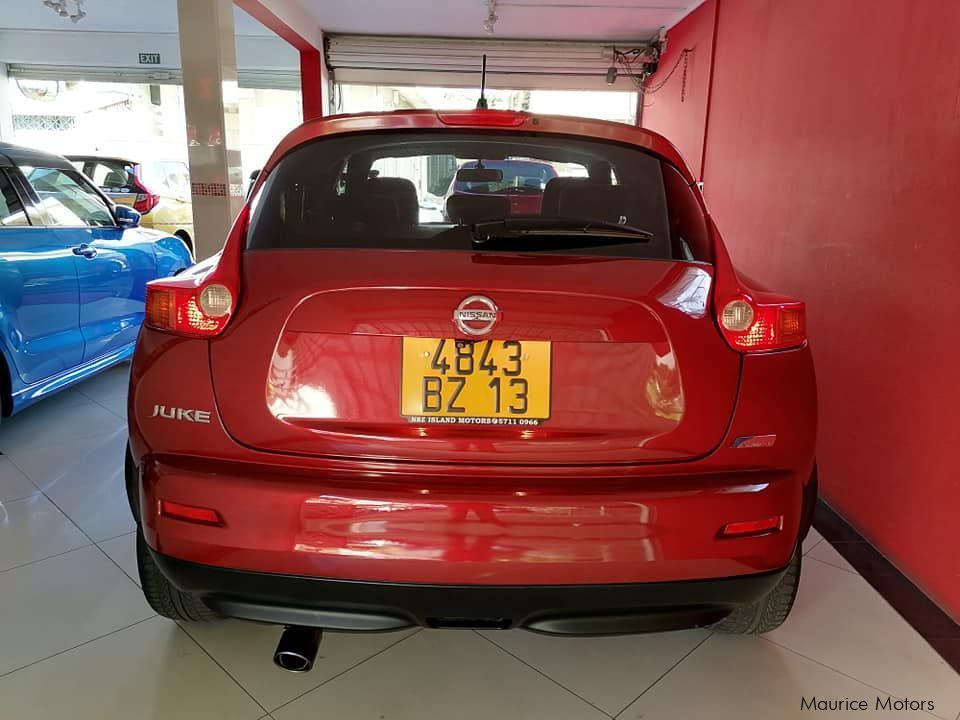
(126, 216)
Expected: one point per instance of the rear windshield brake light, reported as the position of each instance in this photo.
(495, 118)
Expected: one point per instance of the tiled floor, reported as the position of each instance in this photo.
(77, 640)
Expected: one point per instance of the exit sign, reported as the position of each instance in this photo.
(149, 58)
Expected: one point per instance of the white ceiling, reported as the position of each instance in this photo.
(138, 16)
(532, 19)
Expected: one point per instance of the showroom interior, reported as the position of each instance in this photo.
(822, 137)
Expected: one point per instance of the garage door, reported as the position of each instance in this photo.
(266, 79)
(511, 64)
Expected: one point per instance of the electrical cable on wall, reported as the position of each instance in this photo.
(684, 58)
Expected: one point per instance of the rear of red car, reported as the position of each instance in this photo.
(580, 421)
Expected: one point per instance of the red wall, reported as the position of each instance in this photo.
(831, 167)
(678, 110)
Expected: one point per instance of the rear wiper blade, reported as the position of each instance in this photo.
(596, 230)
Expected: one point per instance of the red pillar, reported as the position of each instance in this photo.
(311, 85)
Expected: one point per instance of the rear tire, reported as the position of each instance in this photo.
(769, 612)
(162, 596)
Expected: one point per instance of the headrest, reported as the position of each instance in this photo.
(618, 204)
(402, 191)
(115, 178)
(380, 203)
(469, 209)
(550, 207)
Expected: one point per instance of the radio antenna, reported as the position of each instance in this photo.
(482, 102)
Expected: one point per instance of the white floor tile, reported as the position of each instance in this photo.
(41, 425)
(842, 622)
(53, 605)
(107, 384)
(245, 650)
(14, 485)
(151, 671)
(32, 529)
(825, 552)
(123, 551)
(733, 678)
(610, 672)
(117, 404)
(812, 540)
(84, 477)
(440, 674)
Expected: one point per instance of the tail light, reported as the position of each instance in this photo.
(752, 326)
(195, 311)
(145, 200)
(200, 301)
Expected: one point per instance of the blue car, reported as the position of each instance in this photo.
(73, 271)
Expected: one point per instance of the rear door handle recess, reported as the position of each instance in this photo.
(85, 250)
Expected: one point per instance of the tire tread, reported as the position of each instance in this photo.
(769, 612)
(165, 599)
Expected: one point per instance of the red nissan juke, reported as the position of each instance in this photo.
(582, 421)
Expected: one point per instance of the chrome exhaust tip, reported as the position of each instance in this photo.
(297, 649)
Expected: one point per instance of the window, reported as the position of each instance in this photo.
(166, 176)
(176, 177)
(11, 209)
(112, 175)
(538, 193)
(66, 199)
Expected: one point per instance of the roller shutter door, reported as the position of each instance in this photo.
(511, 64)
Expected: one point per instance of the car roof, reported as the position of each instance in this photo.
(107, 158)
(465, 120)
(19, 155)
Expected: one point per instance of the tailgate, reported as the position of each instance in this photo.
(591, 360)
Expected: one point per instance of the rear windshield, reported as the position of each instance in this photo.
(478, 192)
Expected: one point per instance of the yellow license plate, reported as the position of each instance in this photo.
(123, 200)
(466, 381)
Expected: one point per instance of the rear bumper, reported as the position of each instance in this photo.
(553, 609)
(492, 531)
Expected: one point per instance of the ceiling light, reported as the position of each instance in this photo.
(62, 8)
(491, 21)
